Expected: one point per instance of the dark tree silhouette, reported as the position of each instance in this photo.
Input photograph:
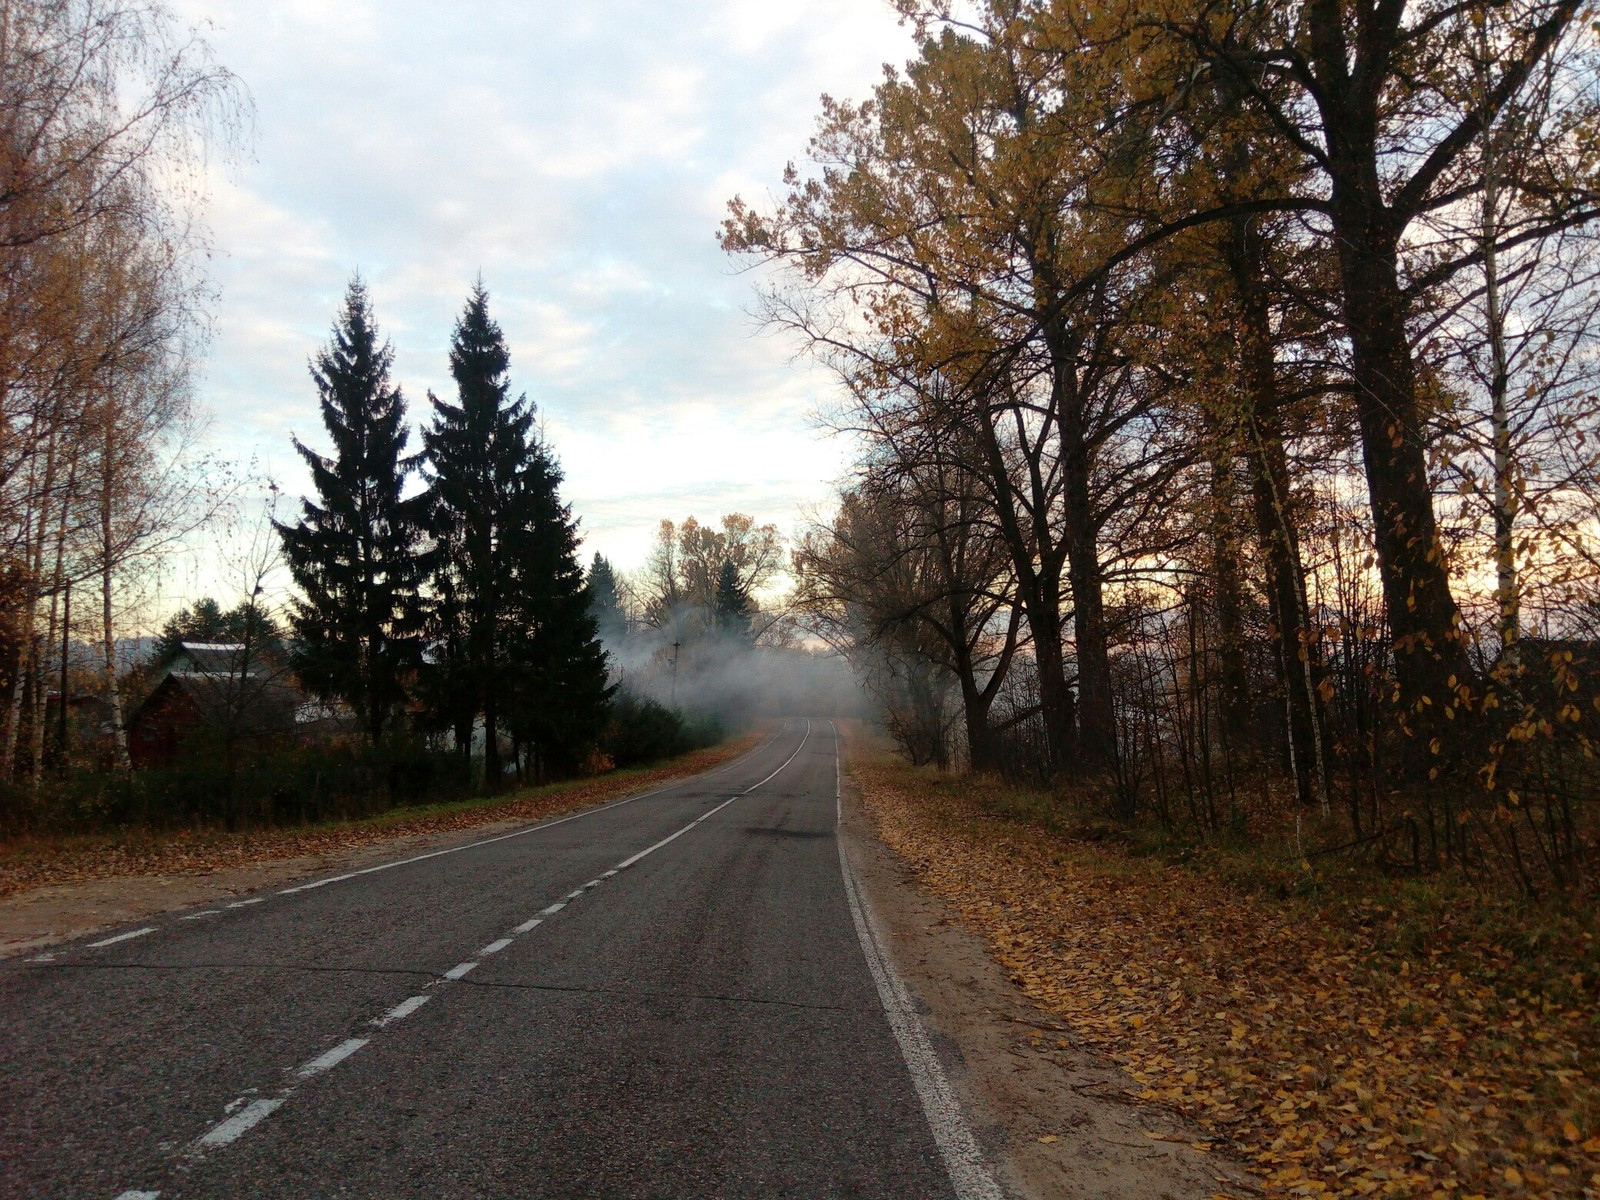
(513, 637)
(355, 550)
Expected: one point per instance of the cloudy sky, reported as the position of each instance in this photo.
(580, 156)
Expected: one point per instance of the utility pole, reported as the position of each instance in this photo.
(675, 647)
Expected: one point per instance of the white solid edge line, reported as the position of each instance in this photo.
(241, 1123)
(121, 937)
(460, 969)
(331, 1059)
(401, 1011)
(516, 833)
(963, 1159)
(494, 947)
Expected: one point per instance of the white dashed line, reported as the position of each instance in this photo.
(590, 812)
(210, 912)
(785, 763)
(331, 1059)
(401, 1011)
(121, 937)
(241, 1123)
(253, 1113)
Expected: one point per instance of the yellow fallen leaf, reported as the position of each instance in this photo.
(1513, 1177)
(1048, 1138)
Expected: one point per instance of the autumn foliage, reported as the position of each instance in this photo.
(1224, 384)
(1339, 1040)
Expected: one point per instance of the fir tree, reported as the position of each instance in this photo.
(477, 449)
(561, 697)
(204, 621)
(605, 599)
(731, 605)
(514, 638)
(354, 551)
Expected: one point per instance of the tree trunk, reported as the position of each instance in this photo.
(1296, 655)
(491, 739)
(1097, 727)
(1038, 572)
(1234, 704)
(1432, 670)
(119, 725)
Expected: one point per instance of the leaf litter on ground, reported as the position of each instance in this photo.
(1328, 1059)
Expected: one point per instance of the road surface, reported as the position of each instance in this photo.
(674, 995)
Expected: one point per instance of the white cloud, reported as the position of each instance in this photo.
(580, 157)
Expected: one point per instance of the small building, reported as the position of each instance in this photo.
(217, 689)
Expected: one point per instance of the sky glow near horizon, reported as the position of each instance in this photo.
(580, 157)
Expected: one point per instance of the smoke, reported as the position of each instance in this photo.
(712, 673)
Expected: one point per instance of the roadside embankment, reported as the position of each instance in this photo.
(1383, 1040)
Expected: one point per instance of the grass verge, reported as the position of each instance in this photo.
(1377, 1037)
(32, 862)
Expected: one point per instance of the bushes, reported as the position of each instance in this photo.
(643, 730)
(256, 784)
(240, 787)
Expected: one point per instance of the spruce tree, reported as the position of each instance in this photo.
(561, 697)
(731, 605)
(514, 637)
(605, 599)
(477, 449)
(354, 551)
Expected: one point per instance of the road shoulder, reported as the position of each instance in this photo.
(1055, 1119)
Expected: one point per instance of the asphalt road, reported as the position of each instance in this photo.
(665, 997)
